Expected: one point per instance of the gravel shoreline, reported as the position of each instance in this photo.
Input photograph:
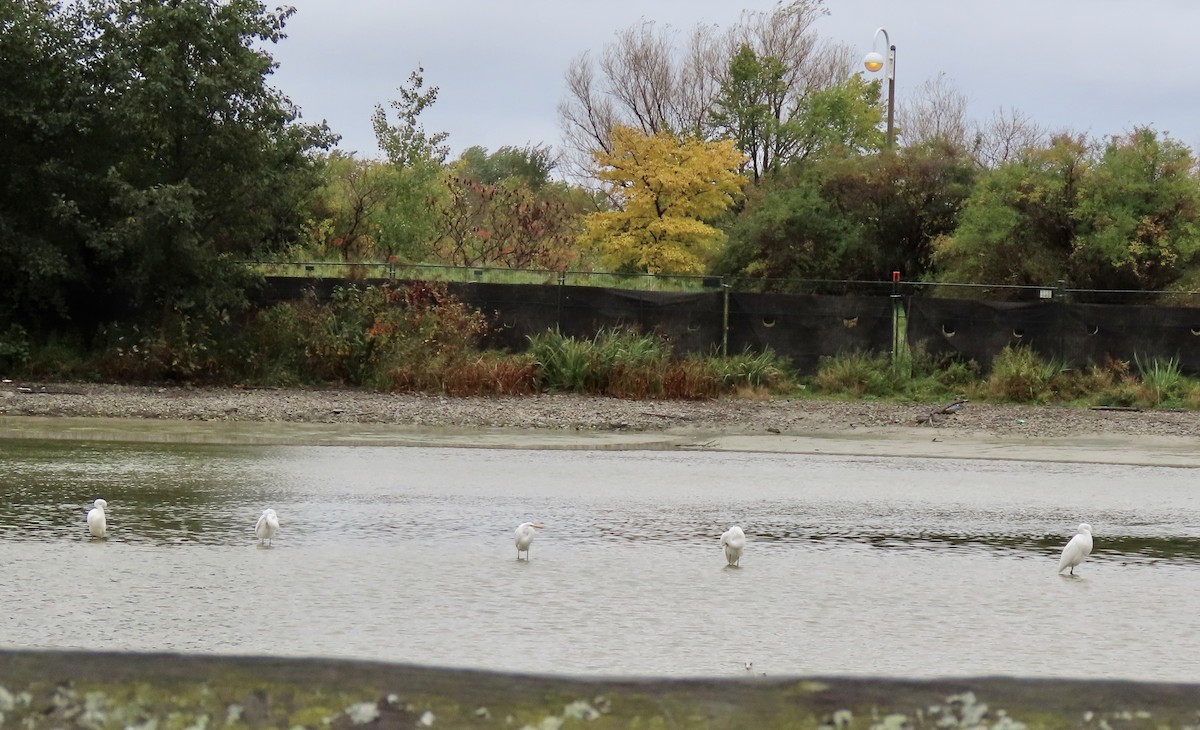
(578, 413)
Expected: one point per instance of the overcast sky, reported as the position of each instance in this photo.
(1095, 66)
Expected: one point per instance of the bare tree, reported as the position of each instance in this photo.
(641, 72)
(704, 63)
(1004, 137)
(589, 115)
(639, 81)
(643, 81)
(938, 112)
(786, 34)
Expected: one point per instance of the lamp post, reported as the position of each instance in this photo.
(874, 61)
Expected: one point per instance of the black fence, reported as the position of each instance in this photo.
(803, 328)
(1076, 334)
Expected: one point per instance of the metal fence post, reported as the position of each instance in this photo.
(1060, 299)
(896, 334)
(562, 287)
(725, 320)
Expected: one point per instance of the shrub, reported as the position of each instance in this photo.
(563, 363)
(616, 362)
(270, 347)
(625, 364)
(418, 344)
(14, 348)
(693, 378)
(411, 337)
(1019, 374)
(494, 374)
(857, 374)
(762, 370)
(1161, 379)
(182, 347)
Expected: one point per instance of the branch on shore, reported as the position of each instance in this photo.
(949, 409)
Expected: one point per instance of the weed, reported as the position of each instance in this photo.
(564, 363)
(856, 374)
(1020, 374)
(754, 370)
(1161, 379)
(493, 374)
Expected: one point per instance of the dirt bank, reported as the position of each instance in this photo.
(986, 430)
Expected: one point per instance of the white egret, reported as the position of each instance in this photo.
(97, 524)
(267, 526)
(525, 533)
(734, 542)
(1078, 548)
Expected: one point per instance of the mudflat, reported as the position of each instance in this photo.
(89, 411)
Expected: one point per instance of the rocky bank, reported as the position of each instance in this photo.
(578, 413)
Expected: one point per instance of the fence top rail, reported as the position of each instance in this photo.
(303, 269)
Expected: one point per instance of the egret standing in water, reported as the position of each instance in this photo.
(97, 524)
(525, 534)
(1077, 549)
(734, 542)
(267, 526)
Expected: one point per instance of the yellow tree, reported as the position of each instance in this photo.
(663, 188)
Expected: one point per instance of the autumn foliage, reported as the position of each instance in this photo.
(664, 188)
(504, 224)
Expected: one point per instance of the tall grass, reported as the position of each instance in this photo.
(626, 364)
(615, 362)
(858, 374)
(1161, 379)
(1020, 374)
(563, 363)
(755, 371)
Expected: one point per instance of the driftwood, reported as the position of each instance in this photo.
(949, 409)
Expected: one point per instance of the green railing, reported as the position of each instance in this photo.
(359, 271)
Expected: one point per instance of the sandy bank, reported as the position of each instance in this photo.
(354, 417)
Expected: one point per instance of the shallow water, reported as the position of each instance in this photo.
(916, 567)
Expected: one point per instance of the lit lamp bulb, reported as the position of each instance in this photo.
(873, 61)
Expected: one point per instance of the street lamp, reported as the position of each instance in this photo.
(874, 61)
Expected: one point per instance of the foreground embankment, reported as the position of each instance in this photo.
(98, 691)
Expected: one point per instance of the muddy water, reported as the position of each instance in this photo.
(918, 567)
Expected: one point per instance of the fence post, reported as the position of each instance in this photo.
(725, 319)
(1060, 299)
(562, 287)
(896, 333)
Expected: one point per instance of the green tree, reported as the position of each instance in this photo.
(847, 216)
(41, 147)
(750, 109)
(405, 142)
(899, 204)
(346, 213)
(665, 189)
(1018, 225)
(1125, 216)
(644, 80)
(843, 118)
(409, 224)
(773, 128)
(145, 149)
(1138, 214)
(790, 231)
(531, 165)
